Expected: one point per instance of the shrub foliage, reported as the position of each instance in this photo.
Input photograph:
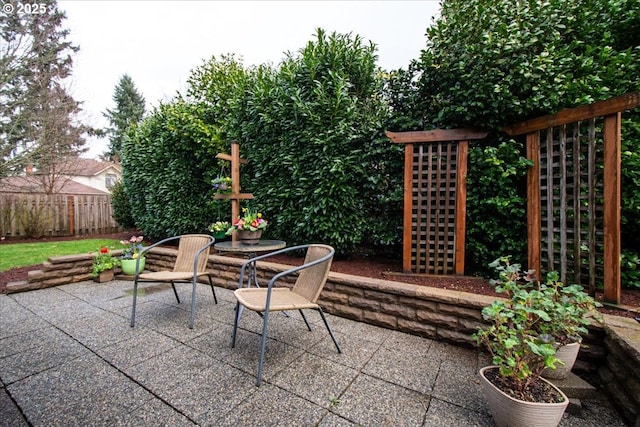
(312, 128)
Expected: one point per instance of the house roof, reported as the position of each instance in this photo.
(91, 167)
(32, 184)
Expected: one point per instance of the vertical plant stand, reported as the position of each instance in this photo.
(235, 195)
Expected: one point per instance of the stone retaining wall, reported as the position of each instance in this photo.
(612, 353)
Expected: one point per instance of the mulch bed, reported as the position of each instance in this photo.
(374, 267)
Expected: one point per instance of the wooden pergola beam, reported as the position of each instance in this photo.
(570, 115)
(436, 135)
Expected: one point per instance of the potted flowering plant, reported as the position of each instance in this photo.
(219, 229)
(130, 254)
(222, 184)
(249, 226)
(103, 264)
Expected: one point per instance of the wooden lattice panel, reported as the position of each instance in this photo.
(571, 201)
(435, 195)
(433, 219)
(573, 192)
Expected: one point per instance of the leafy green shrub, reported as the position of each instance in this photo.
(169, 159)
(120, 205)
(163, 171)
(36, 219)
(496, 208)
(322, 168)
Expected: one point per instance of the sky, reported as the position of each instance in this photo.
(158, 43)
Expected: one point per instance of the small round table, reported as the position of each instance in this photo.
(250, 251)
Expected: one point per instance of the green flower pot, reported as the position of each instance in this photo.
(129, 266)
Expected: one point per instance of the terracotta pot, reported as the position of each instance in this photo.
(128, 266)
(509, 412)
(105, 276)
(248, 237)
(568, 354)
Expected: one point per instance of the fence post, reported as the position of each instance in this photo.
(71, 216)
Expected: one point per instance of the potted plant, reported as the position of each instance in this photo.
(130, 253)
(222, 184)
(219, 229)
(249, 226)
(515, 390)
(569, 310)
(103, 265)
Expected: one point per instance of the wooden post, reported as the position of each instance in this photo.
(612, 206)
(533, 201)
(235, 180)
(71, 216)
(408, 208)
(461, 203)
(235, 195)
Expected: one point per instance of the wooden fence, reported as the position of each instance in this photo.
(41, 215)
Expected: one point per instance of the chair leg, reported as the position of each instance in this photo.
(263, 345)
(324, 319)
(135, 295)
(193, 303)
(215, 299)
(173, 285)
(305, 319)
(235, 324)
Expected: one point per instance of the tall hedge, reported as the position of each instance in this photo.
(163, 171)
(490, 63)
(169, 159)
(314, 135)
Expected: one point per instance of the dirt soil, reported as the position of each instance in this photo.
(374, 267)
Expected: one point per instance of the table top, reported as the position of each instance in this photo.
(261, 246)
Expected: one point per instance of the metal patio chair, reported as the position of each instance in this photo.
(191, 263)
(312, 276)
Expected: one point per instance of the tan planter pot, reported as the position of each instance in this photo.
(509, 412)
(568, 354)
(105, 276)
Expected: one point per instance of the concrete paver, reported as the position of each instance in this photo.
(68, 357)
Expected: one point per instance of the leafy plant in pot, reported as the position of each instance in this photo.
(249, 226)
(569, 310)
(104, 262)
(515, 390)
(130, 262)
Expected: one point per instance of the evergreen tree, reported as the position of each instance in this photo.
(38, 123)
(130, 107)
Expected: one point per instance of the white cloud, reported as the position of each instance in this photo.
(158, 43)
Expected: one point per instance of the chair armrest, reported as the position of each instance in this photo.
(255, 259)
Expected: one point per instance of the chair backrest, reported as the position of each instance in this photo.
(311, 280)
(188, 247)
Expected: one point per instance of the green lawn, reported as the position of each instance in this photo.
(24, 254)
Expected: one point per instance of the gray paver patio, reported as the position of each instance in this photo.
(68, 357)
